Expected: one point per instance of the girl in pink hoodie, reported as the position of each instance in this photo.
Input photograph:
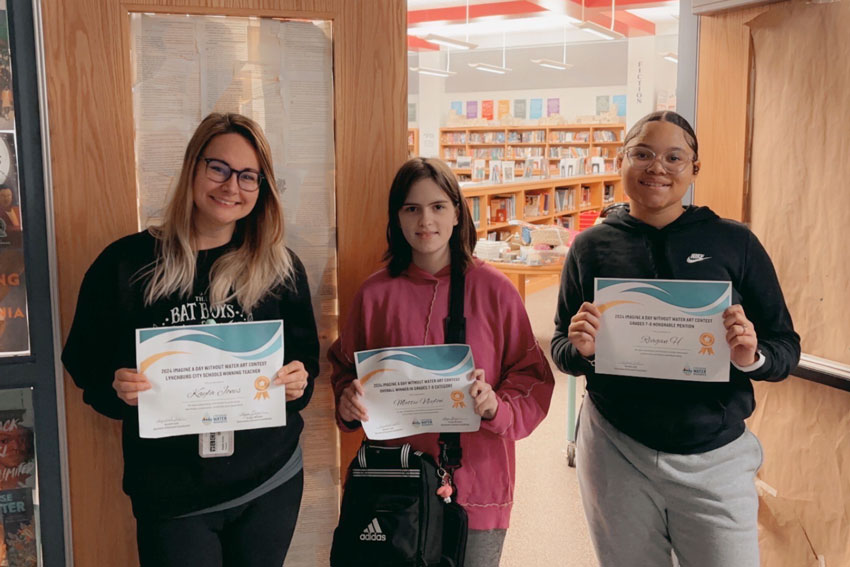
(406, 303)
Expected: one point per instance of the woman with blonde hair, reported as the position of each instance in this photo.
(217, 257)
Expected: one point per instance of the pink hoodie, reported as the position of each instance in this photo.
(410, 310)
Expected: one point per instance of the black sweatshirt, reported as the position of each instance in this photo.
(166, 477)
(671, 415)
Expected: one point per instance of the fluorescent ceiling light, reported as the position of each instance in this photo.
(489, 28)
(552, 64)
(670, 56)
(433, 72)
(599, 31)
(489, 68)
(449, 42)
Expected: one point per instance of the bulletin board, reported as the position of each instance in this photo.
(799, 207)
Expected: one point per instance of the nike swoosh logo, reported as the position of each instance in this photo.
(693, 260)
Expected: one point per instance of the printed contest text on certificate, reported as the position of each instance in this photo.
(210, 378)
(411, 390)
(669, 329)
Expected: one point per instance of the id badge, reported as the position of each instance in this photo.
(218, 444)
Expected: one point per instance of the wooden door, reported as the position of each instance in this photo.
(91, 142)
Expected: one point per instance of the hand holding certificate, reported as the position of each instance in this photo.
(663, 329)
(210, 378)
(411, 390)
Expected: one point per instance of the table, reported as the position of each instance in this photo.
(518, 273)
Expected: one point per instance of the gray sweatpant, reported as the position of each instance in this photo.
(641, 503)
(484, 548)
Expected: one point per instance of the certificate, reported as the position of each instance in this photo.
(411, 390)
(210, 378)
(663, 329)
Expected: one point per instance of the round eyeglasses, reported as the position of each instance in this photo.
(675, 161)
(220, 172)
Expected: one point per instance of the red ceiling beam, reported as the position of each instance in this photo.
(458, 13)
(620, 4)
(634, 23)
(418, 44)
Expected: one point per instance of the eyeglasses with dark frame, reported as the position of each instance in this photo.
(220, 172)
(674, 161)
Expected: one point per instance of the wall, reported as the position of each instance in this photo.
(91, 142)
(804, 502)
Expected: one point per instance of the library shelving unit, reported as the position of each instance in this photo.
(412, 142)
(555, 200)
(593, 147)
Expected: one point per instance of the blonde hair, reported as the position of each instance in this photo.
(259, 263)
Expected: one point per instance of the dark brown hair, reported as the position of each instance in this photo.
(672, 118)
(399, 254)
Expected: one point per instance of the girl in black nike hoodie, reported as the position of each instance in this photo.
(668, 464)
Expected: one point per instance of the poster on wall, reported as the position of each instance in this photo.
(553, 106)
(14, 324)
(504, 109)
(411, 112)
(7, 104)
(472, 109)
(457, 107)
(487, 109)
(520, 108)
(536, 110)
(18, 543)
(603, 104)
(620, 101)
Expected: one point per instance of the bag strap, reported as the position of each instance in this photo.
(450, 450)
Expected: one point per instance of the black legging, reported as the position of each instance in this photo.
(256, 534)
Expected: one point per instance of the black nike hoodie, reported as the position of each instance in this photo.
(670, 415)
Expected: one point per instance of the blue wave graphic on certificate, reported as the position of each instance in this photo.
(440, 360)
(693, 298)
(244, 341)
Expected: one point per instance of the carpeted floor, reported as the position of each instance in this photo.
(547, 525)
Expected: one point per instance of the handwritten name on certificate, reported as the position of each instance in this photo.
(663, 329)
(210, 378)
(411, 390)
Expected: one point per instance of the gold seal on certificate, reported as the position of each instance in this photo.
(210, 378)
(669, 329)
(411, 390)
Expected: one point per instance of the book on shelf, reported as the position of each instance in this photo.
(502, 209)
(499, 235)
(527, 136)
(585, 196)
(562, 136)
(566, 222)
(495, 171)
(528, 168)
(494, 137)
(597, 165)
(479, 170)
(605, 136)
(508, 171)
(607, 194)
(489, 153)
(536, 204)
(453, 137)
(565, 199)
(474, 205)
(19, 527)
(571, 167)
(464, 162)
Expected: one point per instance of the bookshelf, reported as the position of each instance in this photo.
(412, 142)
(572, 202)
(564, 150)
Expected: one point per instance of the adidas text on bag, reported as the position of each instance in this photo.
(373, 532)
